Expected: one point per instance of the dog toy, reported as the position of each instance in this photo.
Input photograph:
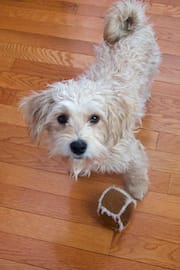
(116, 208)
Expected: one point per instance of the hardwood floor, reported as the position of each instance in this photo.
(47, 221)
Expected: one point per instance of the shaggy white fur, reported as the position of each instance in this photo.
(91, 120)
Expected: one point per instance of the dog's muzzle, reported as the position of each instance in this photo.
(78, 147)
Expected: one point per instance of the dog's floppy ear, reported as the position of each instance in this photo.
(36, 109)
(121, 118)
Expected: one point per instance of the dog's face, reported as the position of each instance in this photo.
(81, 121)
(77, 129)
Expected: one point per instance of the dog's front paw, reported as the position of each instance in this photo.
(138, 191)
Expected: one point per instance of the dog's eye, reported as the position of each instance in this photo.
(62, 119)
(94, 119)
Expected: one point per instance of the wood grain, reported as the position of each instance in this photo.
(8, 265)
(19, 135)
(166, 106)
(148, 138)
(45, 41)
(55, 256)
(65, 6)
(54, 16)
(9, 114)
(44, 70)
(155, 226)
(31, 157)
(163, 205)
(6, 63)
(148, 250)
(44, 55)
(174, 187)
(165, 89)
(159, 8)
(11, 96)
(165, 162)
(23, 81)
(84, 189)
(55, 183)
(169, 143)
(51, 29)
(50, 205)
(160, 123)
(53, 230)
(49, 221)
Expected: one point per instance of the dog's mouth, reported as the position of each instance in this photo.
(78, 157)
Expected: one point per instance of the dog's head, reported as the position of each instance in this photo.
(83, 118)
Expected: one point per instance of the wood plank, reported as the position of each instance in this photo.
(9, 265)
(172, 61)
(169, 143)
(164, 105)
(107, 3)
(9, 114)
(50, 205)
(91, 10)
(54, 16)
(154, 226)
(165, 89)
(23, 81)
(163, 113)
(164, 21)
(102, 3)
(6, 63)
(57, 182)
(165, 2)
(155, 8)
(84, 212)
(55, 256)
(84, 189)
(159, 181)
(148, 138)
(148, 250)
(45, 28)
(164, 9)
(18, 135)
(161, 123)
(11, 96)
(43, 55)
(169, 75)
(87, 237)
(165, 162)
(166, 34)
(72, 7)
(65, 6)
(163, 205)
(31, 157)
(45, 41)
(174, 187)
(44, 69)
(169, 47)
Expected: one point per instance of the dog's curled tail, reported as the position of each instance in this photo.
(122, 19)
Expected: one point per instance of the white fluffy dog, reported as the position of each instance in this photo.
(91, 120)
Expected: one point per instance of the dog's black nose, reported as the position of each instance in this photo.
(78, 147)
